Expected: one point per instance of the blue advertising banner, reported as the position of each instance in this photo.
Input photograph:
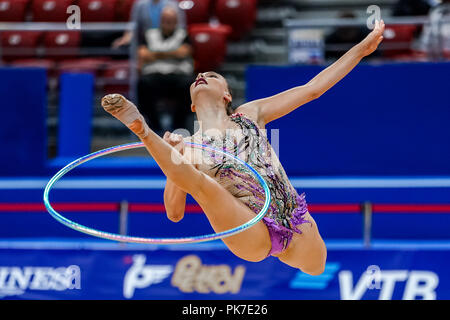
(217, 274)
(354, 131)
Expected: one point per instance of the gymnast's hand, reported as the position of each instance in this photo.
(373, 39)
(175, 140)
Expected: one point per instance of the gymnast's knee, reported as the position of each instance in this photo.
(314, 270)
(205, 186)
(255, 255)
(315, 266)
(194, 183)
(312, 263)
(253, 258)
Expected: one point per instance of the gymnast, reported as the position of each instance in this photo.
(228, 196)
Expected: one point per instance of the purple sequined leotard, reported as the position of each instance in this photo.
(287, 208)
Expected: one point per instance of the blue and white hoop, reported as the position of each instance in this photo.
(130, 239)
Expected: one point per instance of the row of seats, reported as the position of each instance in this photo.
(113, 75)
(60, 51)
(235, 19)
(51, 44)
(56, 10)
(238, 14)
(209, 43)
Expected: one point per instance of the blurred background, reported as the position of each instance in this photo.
(372, 154)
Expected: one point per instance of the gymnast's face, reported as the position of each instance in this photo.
(212, 84)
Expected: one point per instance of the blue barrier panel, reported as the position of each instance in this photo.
(75, 115)
(411, 226)
(380, 120)
(58, 270)
(23, 130)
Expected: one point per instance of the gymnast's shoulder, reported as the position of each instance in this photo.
(252, 111)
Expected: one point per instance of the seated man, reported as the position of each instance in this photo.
(166, 66)
(147, 14)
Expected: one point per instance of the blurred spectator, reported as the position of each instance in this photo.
(147, 15)
(413, 7)
(343, 38)
(434, 39)
(166, 64)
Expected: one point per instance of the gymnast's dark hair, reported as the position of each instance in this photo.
(230, 109)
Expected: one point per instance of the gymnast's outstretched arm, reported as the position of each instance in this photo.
(271, 108)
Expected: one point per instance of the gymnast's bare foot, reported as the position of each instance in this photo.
(126, 112)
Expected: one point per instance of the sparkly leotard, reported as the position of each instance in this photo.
(287, 208)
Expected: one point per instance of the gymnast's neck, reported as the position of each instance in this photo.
(212, 116)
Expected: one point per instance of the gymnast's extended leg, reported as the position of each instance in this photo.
(223, 210)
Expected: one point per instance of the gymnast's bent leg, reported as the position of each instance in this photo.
(222, 209)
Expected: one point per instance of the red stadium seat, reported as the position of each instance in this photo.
(19, 44)
(41, 63)
(398, 40)
(240, 15)
(51, 10)
(446, 54)
(116, 77)
(209, 44)
(13, 10)
(98, 10)
(83, 65)
(62, 44)
(123, 10)
(197, 11)
(48, 65)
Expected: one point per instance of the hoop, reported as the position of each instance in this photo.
(122, 238)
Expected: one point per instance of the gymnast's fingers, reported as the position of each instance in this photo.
(166, 135)
(176, 137)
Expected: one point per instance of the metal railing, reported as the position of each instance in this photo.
(365, 210)
(85, 27)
